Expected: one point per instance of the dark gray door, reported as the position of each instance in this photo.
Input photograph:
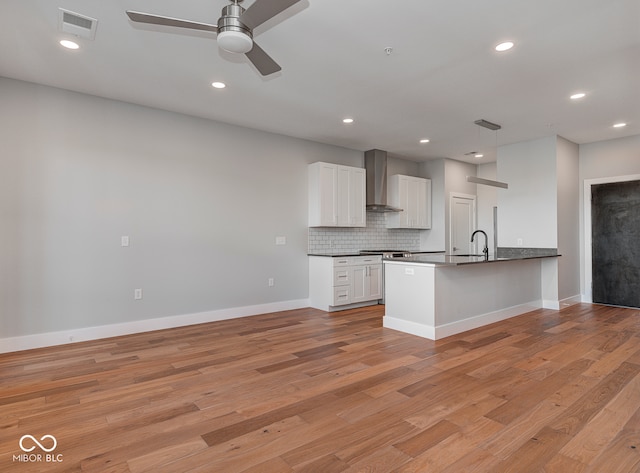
(615, 236)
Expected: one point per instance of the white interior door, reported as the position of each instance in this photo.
(462, 223)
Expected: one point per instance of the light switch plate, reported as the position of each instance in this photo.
(281, 240)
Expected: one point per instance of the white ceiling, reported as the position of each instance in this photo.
(441, 76)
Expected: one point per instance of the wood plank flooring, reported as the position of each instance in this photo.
(306, 391)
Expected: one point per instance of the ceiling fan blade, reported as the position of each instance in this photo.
(263, 10)
(140, 17)
(262, 60)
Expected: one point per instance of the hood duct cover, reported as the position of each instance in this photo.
(375, 163)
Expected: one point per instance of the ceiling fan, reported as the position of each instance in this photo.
(234, 28)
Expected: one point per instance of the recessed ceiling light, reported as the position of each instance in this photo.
(424, 140)
(504, 46)
(218, 85)
(347, 120)
(577, 96)
(69, 44)
(619, 125)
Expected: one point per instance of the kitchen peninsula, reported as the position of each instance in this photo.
(435, 296)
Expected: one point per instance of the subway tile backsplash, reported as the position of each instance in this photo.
(375, 236)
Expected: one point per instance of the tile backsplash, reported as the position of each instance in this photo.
(375, 236)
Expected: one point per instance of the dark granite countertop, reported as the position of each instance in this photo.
(356, 253)
(335, 255)
(457, 260)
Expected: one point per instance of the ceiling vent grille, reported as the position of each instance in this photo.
(76, 24)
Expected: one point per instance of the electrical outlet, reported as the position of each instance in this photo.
(519, 242)
(281, 240)
(137, 294)
(271, 282)
(124, 241)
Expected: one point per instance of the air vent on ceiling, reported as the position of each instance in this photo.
(76, 24)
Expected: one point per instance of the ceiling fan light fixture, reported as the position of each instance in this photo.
(235, 41)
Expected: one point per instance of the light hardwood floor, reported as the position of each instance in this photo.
(307, 391)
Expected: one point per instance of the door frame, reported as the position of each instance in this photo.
(587, 295)
(472, 197)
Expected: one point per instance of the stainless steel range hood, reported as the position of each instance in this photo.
(375, 163)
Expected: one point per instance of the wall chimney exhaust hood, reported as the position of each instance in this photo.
(375, 164)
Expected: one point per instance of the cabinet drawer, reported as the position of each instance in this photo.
(341, 295)
(373, 259)
(342, 276)
(342, 261)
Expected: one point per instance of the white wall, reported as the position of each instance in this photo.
(610, 158)
(527, 210)
(568, 218)
(456, 173)
(401, 166)
(201, 201)
(447, 176)
(434, 239)
(541, 208)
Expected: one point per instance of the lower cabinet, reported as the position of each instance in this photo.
(367, 283)
(338, 283)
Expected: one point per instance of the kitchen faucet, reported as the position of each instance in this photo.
(486, 247)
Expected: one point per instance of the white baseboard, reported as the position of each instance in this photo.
(549, 304)
(40, 340)
(413, 328)
(481, 320)
(569, 301)
(453, 328)
(562, 303)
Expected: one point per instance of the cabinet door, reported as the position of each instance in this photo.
(359, 278)
(323, 195)
(412, 202)
(366, 283)
(343, 193)
(351, 197)
(397, 195)
(413, 196)
(375, 282)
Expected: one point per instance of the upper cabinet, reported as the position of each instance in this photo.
(413, 196)
(336, 196)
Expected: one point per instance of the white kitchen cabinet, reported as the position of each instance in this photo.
(338, 283)
(367, 282)
(413, 196)
(336, 196)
